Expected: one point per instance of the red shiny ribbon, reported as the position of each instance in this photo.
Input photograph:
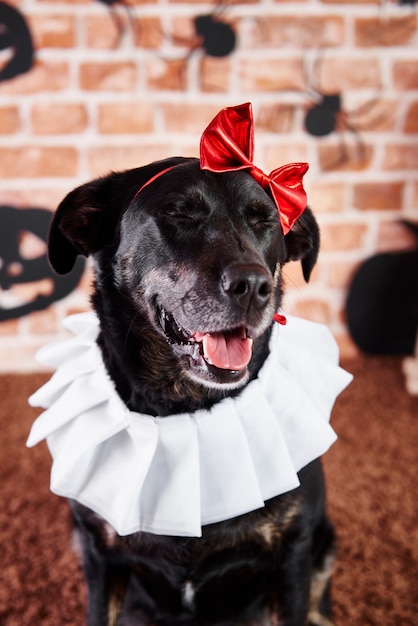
(280, 319)
(227, 145)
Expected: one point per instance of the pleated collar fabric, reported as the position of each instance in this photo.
(172, 475)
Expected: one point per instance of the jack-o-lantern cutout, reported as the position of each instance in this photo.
(15, 43)
(27, 282)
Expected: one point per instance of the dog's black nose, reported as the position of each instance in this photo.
(247, 284)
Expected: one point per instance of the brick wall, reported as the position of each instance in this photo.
(96, 100)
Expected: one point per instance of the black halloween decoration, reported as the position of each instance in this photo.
(327, 115)
(217, 39)
(15, 38)
(322, 118)
(382, 302)
(213, 36)
(19, 268)
(117, 19)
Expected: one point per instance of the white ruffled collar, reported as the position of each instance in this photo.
(174, 474)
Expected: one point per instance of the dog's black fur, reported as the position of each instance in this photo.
(193, 251)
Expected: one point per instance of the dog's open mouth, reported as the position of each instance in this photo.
(224, 354)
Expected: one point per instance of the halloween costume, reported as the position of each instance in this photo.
(172, 475)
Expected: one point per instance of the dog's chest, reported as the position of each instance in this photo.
(185, 574)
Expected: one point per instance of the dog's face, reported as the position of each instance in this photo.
(197, 254)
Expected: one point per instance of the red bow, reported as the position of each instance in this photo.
(227, 145)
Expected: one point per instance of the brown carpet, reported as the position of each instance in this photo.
(372, 493)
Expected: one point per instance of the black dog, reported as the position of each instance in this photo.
(188, 278)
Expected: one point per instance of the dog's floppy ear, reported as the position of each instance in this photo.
(302, 242)
(88, 217)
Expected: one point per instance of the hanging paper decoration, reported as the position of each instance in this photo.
(16, 39)
(27, 282)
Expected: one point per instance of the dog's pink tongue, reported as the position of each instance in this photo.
(228, 351)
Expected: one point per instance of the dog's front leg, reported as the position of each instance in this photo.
(106, 581)
(106, 589)
(294, 585)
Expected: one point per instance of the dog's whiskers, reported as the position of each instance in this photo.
(129, 330)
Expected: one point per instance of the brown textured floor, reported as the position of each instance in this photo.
(372, 494)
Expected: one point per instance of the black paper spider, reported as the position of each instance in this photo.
(327, 115)
(213, 36)
(216, 38)
(323, 117)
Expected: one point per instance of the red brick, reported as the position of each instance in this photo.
(41, 323)
(112, 76)
(293, 277)
(378, 195)
(21, 357)
(168, 74)
(276, 155)
(375, 31)
(312, 309)
(48, 198)
(34, 161)
(351, 2)
(103, 159)
(401, 157)
(393, 235)
(9, 328)
(411, 120)
(182, 32)
(53, 31)
(16, 3)
(341, 73)
(215, 74)
(58, 118)
(340, 273)
(275, 118)
(278, 32)
(190, 118)
(101, 31)
(375, 115)
(213, 2)
(346, 345)
(125, 117)
(141, 2)
(9, 120)
(65, 1)
(344, 156)
(405, 74)
(415, 196)
(327, 197)
(148, 32)
(43, 77)
(86, 282)
(343, 236)
(269, 74)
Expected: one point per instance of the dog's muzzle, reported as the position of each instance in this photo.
(222, 356)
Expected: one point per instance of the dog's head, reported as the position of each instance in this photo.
(198, 254)
(193, 252)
